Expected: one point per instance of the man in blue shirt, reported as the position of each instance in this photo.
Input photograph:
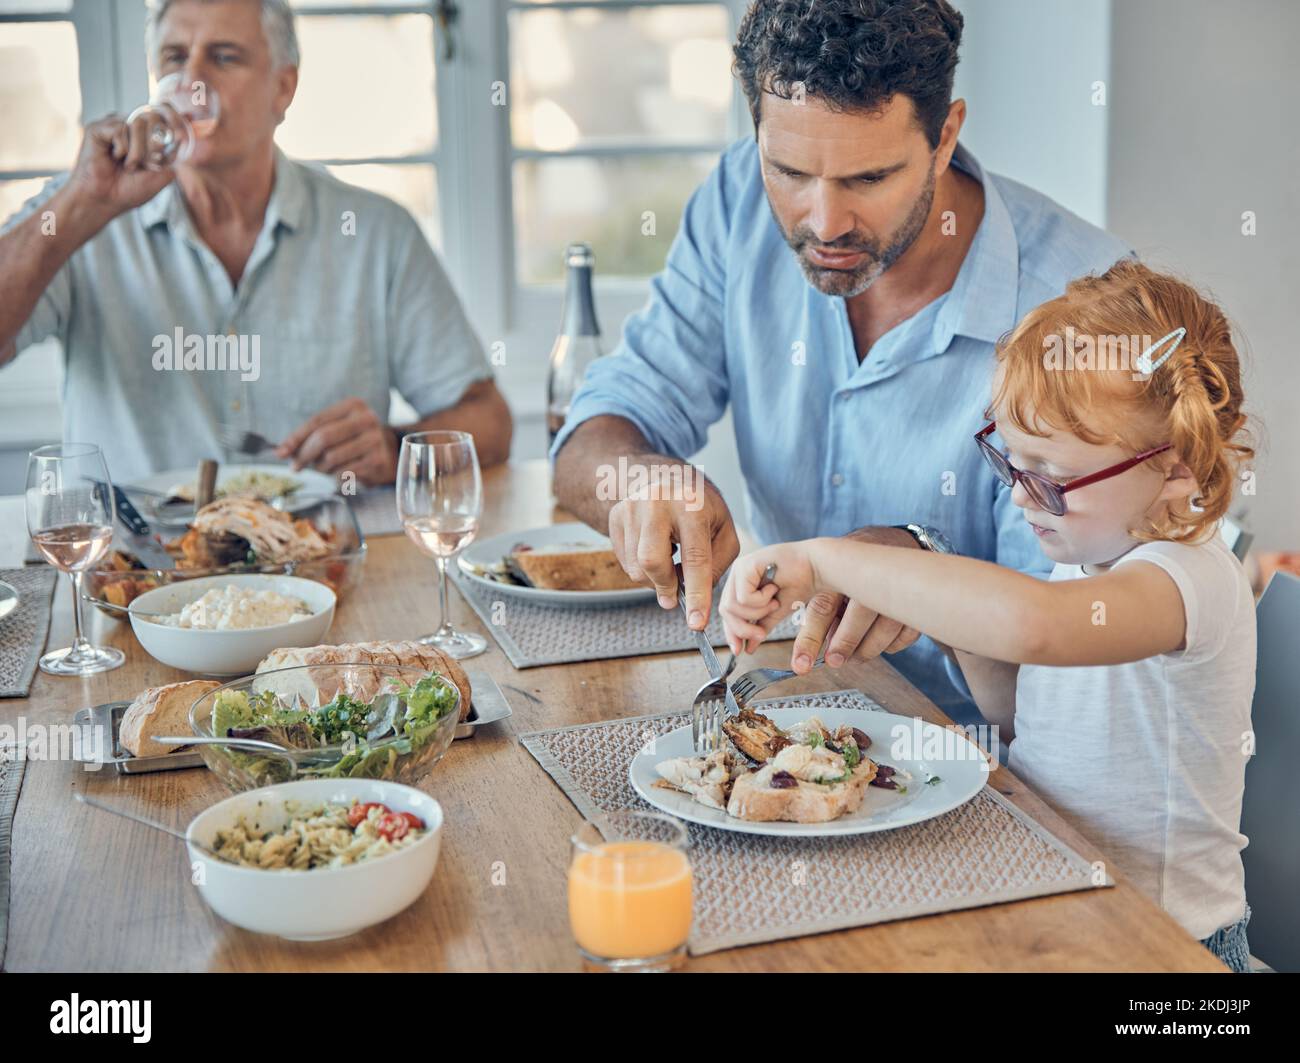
(840, 281)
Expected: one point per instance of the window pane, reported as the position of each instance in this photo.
(40, 96)
(664, 75)
(27, 7)
(13, 194)
(413, 186)
(604, 202)
(359, 3)
(366, 88)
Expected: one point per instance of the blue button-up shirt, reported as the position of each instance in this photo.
(827, 444)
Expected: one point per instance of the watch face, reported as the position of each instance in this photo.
(938, 541)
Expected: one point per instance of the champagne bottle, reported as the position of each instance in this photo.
(578, 343)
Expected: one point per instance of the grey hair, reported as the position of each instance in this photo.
(277, 24)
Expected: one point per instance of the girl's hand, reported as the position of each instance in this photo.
(749, 612)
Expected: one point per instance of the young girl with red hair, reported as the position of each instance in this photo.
(1126, 679)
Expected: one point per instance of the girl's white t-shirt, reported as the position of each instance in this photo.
(1148, 759)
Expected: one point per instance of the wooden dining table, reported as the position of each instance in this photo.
(93, 892)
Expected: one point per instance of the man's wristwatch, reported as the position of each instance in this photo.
(931, 539)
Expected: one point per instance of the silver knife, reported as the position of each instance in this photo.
(137, 534)
(147, 549)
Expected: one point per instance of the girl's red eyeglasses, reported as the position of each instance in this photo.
(1044, 492)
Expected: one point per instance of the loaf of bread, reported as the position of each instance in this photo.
(572, 567)
(322, 684)
(161, 710)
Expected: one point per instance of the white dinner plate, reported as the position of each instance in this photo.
(8, 599)
(312, 485)
(489, 552)
(947, 771)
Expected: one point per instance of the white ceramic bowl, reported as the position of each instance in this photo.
(228, 652)
(326, 902)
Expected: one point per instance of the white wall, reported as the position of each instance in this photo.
(1027, 72)
(1203, 106)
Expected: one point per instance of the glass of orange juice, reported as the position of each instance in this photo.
(630, 891)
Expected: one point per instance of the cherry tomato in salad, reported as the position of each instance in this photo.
(415, 821)
(359, 813)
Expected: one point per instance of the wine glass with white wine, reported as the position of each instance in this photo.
(179, 115)
(70, 513)
(439, 502)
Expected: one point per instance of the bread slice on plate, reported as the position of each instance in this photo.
(319, 687)
(787, 789)
(161, 710)
(587, 566)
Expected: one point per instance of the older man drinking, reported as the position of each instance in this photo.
(234, 251)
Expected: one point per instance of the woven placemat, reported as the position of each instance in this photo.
(24, 631)
(11, 781)
(533, 635)
(753, 888)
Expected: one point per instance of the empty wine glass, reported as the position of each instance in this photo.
(179, 114)
(439, 502)
(70, 513)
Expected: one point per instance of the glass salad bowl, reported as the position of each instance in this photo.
(334, 721)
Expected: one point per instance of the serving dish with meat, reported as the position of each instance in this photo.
(239, 535)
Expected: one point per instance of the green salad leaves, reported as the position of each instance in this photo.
(332, 737)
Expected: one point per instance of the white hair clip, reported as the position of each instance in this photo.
(1144, 364)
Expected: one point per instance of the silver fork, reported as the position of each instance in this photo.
(241, 442)
(708, 709)
(712, 701)
(757, 679)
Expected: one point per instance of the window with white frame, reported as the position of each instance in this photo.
(367, 102)
(617, 111)
(49, 80)
(40, 94)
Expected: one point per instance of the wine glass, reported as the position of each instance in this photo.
(70, 513)
(177, 116)
(439, 502)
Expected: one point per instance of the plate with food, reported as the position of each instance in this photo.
(316, 859)
(558, 564)
(812, 773)
(239, 536)
(167, 498)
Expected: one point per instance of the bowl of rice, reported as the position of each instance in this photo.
(315, 859)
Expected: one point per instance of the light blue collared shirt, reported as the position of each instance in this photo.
(827, 444)
(342, 294)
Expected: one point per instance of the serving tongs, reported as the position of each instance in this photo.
(146, 822)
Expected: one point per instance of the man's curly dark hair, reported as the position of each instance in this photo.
(852, 55)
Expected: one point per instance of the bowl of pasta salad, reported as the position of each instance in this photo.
(315, 859)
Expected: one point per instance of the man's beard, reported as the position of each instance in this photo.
(850, 282)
